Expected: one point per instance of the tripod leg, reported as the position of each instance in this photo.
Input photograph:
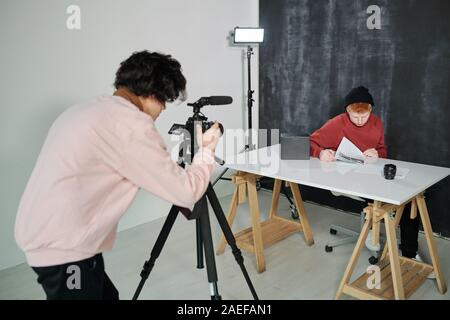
(220, 176)
(199, 238)
(231, 216)
(205, 228)
(215, 204)
(160, 241)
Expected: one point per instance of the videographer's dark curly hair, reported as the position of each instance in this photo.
(150, 73)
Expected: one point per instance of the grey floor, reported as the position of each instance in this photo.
(293, 270)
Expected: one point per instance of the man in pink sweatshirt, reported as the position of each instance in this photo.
(95, 158)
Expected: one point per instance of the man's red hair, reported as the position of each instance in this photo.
(359, 107)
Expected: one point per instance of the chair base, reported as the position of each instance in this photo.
(352, 236)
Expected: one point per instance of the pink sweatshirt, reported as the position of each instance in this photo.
(95, 158)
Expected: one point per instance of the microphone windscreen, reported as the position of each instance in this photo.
(219, 100)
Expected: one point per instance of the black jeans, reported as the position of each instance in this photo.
(409, 233)
(80, 280)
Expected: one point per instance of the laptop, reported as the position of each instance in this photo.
(294, 147)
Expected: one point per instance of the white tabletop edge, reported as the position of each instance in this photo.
(385, 198)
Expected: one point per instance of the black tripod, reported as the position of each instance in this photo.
(201, 215)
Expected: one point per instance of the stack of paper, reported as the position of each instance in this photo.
(348, 152)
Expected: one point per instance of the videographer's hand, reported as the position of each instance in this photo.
(210, 138)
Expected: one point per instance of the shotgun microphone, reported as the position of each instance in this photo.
(213, 101)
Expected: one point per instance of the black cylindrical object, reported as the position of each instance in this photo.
(389, 171)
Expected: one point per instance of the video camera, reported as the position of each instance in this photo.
(198, 116)
(188, 146)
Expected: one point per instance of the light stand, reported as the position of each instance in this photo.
(246, 36)
(249, 37)
(249, 146)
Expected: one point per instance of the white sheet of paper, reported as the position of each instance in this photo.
(401, 173)
(347, 150)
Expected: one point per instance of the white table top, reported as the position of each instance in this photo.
(340, 177)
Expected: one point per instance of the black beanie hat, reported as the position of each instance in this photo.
(359, 94)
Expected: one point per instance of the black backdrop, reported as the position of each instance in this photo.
(315, 51)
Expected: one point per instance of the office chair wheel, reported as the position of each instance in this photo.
(294, 213)
(328, 249)
(333, 231)
(373, 260)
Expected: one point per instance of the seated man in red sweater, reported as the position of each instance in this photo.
(365, 130)
(358, 124)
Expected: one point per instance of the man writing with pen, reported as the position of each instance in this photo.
(365, 130)
(358, 124)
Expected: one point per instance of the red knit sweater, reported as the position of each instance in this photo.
(329, 136)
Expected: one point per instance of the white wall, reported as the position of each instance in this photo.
(44, 68)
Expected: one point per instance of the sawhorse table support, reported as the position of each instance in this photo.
(263, 234)
(399, 277)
